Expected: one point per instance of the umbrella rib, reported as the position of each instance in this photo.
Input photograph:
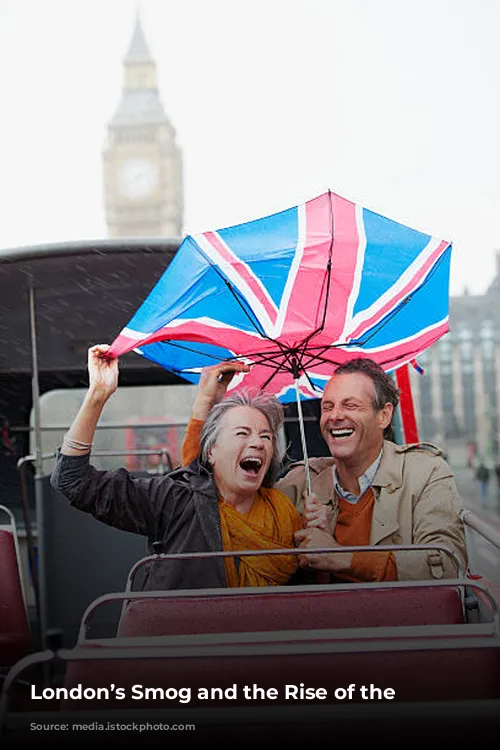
(318, 329)
(278, 369)
(276, 364)
(390, 316)
(328, 280)
(259, 329)
(292, 356)
(319, 356)
(232, 291)
(253, 320)
(320, 359)
(405, 356)
(264, 360)
(384, 322)
(314, 387)
(219, 273)
(195, 351)
(269, 361)
(271, 358)
(401, 304)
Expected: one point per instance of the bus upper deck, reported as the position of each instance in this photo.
(57, 301)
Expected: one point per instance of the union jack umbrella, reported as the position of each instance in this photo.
(294, 294)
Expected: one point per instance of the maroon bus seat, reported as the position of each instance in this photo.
(291, 610)
(423, 672)
(15, 637)
(289, 638)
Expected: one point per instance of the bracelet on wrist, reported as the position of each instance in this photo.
(76, 445)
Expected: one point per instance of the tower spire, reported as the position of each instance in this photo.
(138, 50)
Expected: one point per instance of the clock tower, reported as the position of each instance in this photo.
(142, 162)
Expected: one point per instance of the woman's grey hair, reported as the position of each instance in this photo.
(268, 405)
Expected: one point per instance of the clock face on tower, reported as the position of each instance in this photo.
(137, 178)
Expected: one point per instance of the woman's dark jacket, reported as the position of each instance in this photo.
(179, 509)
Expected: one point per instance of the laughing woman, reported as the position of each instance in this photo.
(223, 501)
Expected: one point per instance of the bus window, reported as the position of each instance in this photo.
(137, 424)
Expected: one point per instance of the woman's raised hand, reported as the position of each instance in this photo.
(103, 381)
(103, 371)
(212, 386)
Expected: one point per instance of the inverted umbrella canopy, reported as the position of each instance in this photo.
(295, 294)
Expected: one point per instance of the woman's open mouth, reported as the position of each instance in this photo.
(251, 465)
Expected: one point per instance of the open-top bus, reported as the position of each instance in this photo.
(72, 613)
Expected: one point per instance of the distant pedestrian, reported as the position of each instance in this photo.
(483, 477)
(471, 454)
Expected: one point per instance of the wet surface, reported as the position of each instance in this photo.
(80, 300)
(484, 557)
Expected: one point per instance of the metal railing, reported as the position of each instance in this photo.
(162, 453)
(134, 425)
(475, 523)
(292, 551)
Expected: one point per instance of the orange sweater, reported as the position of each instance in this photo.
(191, 443)
(352, 528)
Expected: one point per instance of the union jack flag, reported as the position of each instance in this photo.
(296, 293)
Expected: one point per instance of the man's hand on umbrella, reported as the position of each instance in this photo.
(315, 513)
(329, 561)
(214, 382)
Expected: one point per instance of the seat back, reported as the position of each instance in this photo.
(292, 610)
(80, 559)
(15, 637)
(323, 636)
(424, 671)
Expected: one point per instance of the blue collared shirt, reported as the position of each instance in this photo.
(365, 480)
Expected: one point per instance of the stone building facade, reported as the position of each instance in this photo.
(458, 397)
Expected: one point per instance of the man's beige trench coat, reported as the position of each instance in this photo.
(416, 502)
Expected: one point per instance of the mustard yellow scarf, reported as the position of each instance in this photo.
(270, 524)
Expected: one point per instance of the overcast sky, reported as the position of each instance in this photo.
(391, 103)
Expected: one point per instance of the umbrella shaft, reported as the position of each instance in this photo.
(303, 437)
